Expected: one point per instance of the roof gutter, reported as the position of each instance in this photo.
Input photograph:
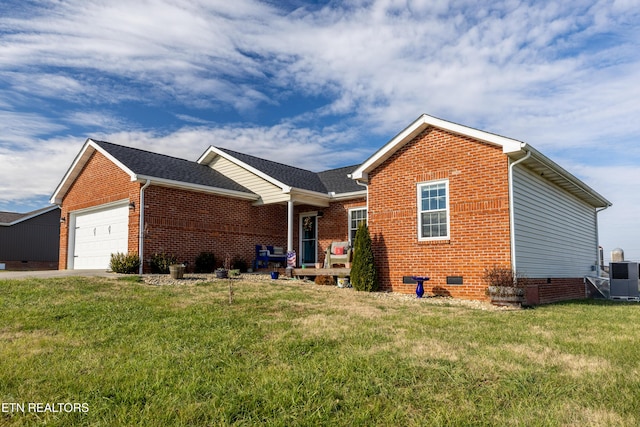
(141, 226)
(512, 221)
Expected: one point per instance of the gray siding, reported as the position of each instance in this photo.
(555, 232)
(36, 239)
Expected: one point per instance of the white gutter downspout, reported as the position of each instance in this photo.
(598, 266)
(366, 186)
(141, 226)
(512, 221)
(362, 184)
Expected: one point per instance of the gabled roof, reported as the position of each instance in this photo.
(330, 182)
(420, 124)
(289, 176)
(515, 149)
(11, 218)
(143, 165)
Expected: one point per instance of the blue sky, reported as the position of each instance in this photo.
(320, 85)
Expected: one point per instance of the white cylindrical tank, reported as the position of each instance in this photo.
(617, 255)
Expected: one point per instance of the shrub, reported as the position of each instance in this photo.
(325, 281)
(205, 262)
(503, 276)
(363, 270)
(239, 264)
(124, 263)
(160, 263)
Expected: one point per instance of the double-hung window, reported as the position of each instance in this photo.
(433, 210)
(356, 216)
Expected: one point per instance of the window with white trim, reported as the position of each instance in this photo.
(433, 210)
(356, 216)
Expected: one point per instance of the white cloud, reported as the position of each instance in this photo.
(559, 75)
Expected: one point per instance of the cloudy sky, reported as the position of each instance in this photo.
(299, 81)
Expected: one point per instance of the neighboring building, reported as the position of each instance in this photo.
(441, 200)
(30, 241)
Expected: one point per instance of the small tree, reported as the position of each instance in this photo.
(363, 270)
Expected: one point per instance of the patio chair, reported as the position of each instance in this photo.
(338, 253)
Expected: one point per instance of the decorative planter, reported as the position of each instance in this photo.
(419, 285)
(222, 274)
(506, 296)
(176, 271)
(343, 282)
(275, 275)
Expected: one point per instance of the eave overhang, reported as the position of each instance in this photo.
(554, 173)
(419, 125)
(27, 217)
(91, 147)
(514, 149)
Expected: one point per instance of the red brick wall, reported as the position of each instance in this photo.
(333, 226)
(479, 214)
(185, 223)
(545, 291)
(99, 182)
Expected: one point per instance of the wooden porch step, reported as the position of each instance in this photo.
(298, 272)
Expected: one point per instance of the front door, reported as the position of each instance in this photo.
(309, 238)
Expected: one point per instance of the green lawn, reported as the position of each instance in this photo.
(289, 354)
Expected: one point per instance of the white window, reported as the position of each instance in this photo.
(433, 210)
(356, 216)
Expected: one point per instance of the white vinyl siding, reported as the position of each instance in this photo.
(268, 192)
(555, 233)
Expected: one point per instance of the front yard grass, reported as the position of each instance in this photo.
(287, 354)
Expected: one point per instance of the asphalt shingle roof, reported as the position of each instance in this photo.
(334, 180)
(288, 175)
(155, 165)
(9, 217)
(337, 180)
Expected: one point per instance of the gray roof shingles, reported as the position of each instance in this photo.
(9, 217)
(155, 165)
(334, 180)
(337, 180)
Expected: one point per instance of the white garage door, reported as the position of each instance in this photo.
(98, 234)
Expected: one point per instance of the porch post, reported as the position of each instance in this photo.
(289, 225)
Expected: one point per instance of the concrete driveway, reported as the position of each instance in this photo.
(54, 273)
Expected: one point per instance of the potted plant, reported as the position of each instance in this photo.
(223, 272)
(504, 287)
(177, 271)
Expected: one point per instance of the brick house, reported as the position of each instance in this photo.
(448, 201)
(441, 199)
(121, 199)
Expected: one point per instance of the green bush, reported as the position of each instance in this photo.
(160, 263)
(124, 263)
(363, 270)
(205, 262)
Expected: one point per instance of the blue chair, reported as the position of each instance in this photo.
(264, 257)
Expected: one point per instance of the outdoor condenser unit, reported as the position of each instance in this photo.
(623, 277)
